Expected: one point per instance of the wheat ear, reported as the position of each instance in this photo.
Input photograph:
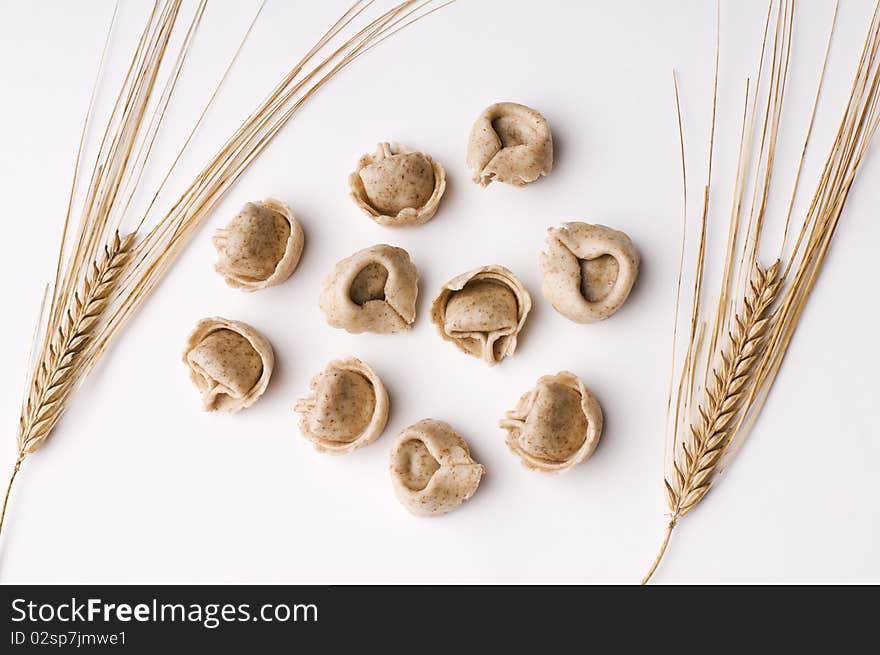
(729, 381)
(66, 357)
(697, 460)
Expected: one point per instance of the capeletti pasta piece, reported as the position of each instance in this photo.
(556, 425)
(510, 143)
(229, 362)
(374, 290)
(260, 247)
(482, 312)
(432, 469)
(588, 270)
(347, 409)
(397, 187)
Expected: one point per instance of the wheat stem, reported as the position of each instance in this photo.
(15, 471)
(669, 528)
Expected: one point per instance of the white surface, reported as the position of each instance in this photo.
(138, 485)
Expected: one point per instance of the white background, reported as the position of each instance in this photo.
(139, 485)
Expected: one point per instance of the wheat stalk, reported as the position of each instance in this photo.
(59, 371)
(696, 462)
(722, 387)
(101, 278)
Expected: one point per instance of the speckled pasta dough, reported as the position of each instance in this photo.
(482, 312)
(347, 410)
(229, 362)
(397, 187)
(588, 270)
(510, 143)
(432, 469)
(260, 247)
(374, 290)
(556, 425)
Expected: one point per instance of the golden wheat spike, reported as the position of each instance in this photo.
(710, 434)
(58, 371)
(696, 461)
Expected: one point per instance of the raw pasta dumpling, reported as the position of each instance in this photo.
(432, 469)
(556, 425)
(229, 362)
(347, 409)
(397, 187)
(374, 290)
(260, 247)
(510, 143)
(482, 312)
(589, 270)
